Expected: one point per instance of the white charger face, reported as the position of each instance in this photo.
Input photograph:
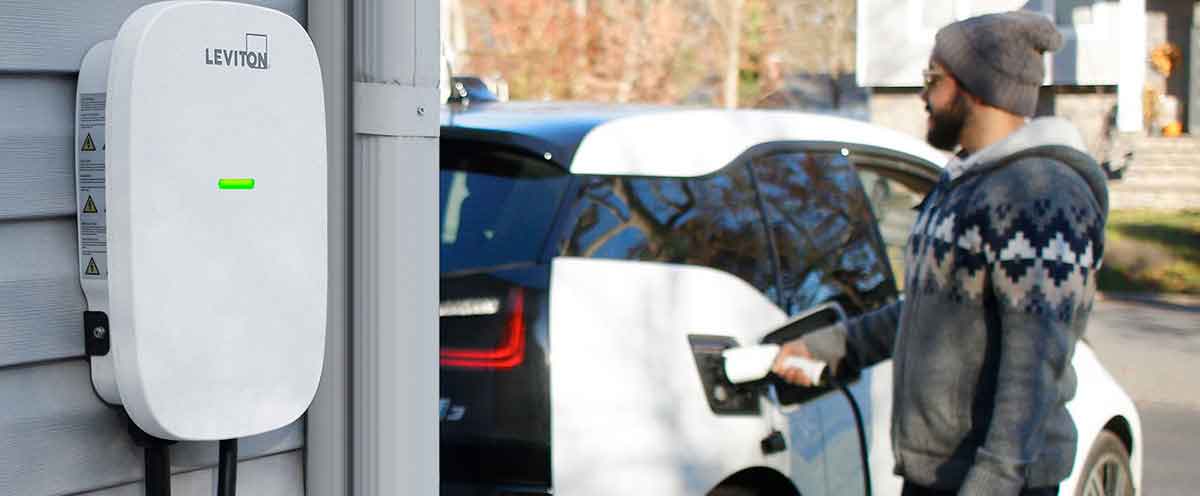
(216, 219)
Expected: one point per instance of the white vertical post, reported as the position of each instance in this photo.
(1193, 68)
(395, 248)
(327, 432)
(1133, 65)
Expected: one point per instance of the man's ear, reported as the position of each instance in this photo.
(971, 98)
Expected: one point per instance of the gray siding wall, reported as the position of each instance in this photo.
(56, 437)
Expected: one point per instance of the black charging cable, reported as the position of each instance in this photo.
(158, 469)
(227, 467)
(158, 463)
(775, 440)
(862, 433)
(157, 455)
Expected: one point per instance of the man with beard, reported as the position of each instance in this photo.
(1001, 276)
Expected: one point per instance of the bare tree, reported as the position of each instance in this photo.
(727, 15)
(818, 36)
(661, 51)
(617, 50)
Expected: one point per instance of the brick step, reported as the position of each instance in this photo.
(1191, 190)
(1191, 200)
(1163, 174)
(1185, 175)
(1183, 143)
(1140, 168)
(1180, 146)
(1163, 139)
(1158, 151)
(1168, 145)
(1161, 153)
(1179, 163)
(1167, 151)
(1164, 142)
(1151, 200)
(1154, 184)
(1178, 172)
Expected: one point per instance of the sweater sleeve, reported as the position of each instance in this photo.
(858, 343)
(1043, 252)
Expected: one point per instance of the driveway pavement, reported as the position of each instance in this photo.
(1153, 350)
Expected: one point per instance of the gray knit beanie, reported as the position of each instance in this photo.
(998, 57)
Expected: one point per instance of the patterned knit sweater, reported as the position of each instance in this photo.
(1001, 277)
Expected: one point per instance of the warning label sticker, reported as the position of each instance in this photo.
(92, 269)
(93, 247)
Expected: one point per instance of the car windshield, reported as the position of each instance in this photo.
(497, 205)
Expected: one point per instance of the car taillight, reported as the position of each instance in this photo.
(510, 351)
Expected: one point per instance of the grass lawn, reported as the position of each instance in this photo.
(1152, 251)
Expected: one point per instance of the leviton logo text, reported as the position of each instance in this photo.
(254, 56)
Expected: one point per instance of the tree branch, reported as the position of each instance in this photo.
(603, 239)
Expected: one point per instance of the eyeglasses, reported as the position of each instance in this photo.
(931, 78)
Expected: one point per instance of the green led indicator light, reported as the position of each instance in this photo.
(236, 183)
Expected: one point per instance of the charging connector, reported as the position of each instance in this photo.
(752, 363)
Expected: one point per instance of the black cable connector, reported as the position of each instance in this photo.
(227, 468)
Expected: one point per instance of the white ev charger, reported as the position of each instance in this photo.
(202, 228)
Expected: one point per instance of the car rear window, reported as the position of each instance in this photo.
(497, 205)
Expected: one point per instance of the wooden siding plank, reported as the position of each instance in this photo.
(67, 441)
(41, 303)
(275, 475)
(37, 171)
(52, 36)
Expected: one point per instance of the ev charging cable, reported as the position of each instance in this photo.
(227, 467)
(753, 363)
(158, 463)
(862, 436)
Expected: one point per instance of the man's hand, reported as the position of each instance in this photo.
(793, 375)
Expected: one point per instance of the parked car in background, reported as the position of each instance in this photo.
(595, 260)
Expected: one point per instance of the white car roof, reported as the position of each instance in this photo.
(690, 143)
(668, 141)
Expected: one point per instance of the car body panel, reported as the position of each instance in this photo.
(1098, 400)
(628, 410)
